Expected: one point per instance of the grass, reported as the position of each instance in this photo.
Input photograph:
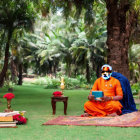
(36, 101)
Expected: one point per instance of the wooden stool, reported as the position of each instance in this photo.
(59, 99)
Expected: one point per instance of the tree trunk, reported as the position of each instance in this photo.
(55, 67)
(14, 72)
(6, 59)
(98, 71)
(118, 34)
(87, 73)
(20, 74)
(96, 67)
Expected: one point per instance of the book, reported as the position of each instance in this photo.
(6, 119)
(97, 95)
(8, 124)
(6, 114)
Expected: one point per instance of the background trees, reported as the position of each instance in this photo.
(68, 36)
(14, 15)
(58, 43)
(121, 19)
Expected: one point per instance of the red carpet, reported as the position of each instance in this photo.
(126, 120)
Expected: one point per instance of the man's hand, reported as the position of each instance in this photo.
(106, 98)
(91, 97)
(115, 98)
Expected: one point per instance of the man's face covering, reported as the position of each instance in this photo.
(106, 73)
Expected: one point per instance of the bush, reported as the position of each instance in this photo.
(71, 83)
(135, 88)
(54, 83)
(40, 81)
(81, 79)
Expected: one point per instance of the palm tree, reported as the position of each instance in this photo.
(51, 42)
(54, 40)
(14, 15)
(89, 48)
(121, 19)
(17, 56)
(86, 54)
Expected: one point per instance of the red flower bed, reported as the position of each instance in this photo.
(9, 96)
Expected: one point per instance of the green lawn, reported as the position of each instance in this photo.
(36, 101)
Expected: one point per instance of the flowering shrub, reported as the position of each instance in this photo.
(20, 119)
(9, 96)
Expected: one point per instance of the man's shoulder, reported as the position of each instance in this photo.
(99, 79)
(114, 79)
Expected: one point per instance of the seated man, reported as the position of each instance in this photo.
(109, 103)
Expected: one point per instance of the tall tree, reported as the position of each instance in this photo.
(14, 15)
(121, 19)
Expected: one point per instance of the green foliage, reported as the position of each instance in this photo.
(8, 84)
(93, 77)
(75, 43)
(71, 83)
(81, 78)
(135, 88)
(57, 42)
(134, 60)
(17, 14)
(47, 81)
(83, 81)
(54, 83)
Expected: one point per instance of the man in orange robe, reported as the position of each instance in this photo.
(109, 103)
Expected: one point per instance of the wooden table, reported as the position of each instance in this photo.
(63, 99)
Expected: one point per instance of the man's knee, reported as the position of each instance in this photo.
(115, 105)
(88, 104)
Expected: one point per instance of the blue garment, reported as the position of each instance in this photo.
(128, 100)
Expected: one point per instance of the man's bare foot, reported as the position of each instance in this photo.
(85, 115)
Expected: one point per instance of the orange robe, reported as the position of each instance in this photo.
(111, 87)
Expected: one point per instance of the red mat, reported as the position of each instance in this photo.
(126, 120)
